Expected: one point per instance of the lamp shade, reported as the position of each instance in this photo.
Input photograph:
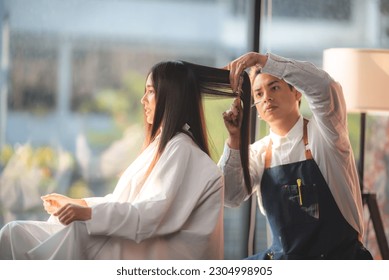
(363, 75)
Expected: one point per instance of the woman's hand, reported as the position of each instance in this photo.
(73, 212)
(53, 202)
(233, 120)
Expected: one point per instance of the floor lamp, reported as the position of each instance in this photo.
(364, 76)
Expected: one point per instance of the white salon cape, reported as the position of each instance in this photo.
(327, 136)
(177, 213)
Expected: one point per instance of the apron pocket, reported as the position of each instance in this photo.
(301, 200)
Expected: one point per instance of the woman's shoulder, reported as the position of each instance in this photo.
(180, 139)
(183, 143)
(179, 143)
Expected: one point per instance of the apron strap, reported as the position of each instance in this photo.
(308, 153)
(268, 154)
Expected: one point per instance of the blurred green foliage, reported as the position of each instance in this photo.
(79, 189)
(213, 110)
(122, 105)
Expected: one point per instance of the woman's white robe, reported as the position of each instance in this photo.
(177, 213)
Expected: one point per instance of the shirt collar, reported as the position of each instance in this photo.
(293, 135)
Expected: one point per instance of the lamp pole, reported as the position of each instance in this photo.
(362, 137)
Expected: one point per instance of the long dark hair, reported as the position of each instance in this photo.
(179, 87)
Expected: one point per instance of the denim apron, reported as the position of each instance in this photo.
(304, 218)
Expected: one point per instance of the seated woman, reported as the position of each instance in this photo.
(168, 204)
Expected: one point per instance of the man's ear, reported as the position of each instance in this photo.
(297, 94)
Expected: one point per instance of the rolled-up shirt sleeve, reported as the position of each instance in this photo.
(235, 192)
(230, 164)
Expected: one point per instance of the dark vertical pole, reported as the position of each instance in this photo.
(253, 116)
(4, 71)
(255, 48)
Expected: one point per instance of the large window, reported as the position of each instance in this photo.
(76, 70)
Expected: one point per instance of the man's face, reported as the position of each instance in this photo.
(277, 100)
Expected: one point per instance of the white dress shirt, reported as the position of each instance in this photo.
(327, 136)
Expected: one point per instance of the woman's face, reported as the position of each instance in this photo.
(148, 100)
